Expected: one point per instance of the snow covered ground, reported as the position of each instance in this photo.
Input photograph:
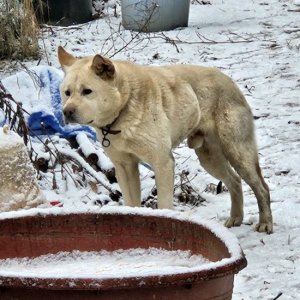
(257, 43)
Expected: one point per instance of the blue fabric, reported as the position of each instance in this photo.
(46, 122)
(41, 123)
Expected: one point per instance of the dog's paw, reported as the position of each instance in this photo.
(264, 227)
(233, 221)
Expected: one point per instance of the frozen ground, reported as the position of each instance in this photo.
(257, 43)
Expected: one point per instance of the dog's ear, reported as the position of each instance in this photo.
(103, 67)
(66, 59)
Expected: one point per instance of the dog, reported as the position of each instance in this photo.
(141, 112)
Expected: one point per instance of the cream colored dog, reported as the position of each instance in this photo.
(142, 112)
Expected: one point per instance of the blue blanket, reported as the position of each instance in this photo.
(40, 96)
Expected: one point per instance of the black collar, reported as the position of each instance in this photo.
(107, 130)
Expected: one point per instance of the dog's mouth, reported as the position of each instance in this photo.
(73, 120)
(70, 120)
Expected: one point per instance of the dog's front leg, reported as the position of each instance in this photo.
(128, 178)
(164, 179)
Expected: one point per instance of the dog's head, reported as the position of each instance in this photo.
(89, 92)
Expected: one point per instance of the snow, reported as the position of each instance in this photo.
(256, 43)
(85, 144)
(33, 96)
(9, 140)
(135, 262)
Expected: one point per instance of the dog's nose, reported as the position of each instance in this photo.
(69, 112)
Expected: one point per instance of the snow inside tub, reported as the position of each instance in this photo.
(115, 253)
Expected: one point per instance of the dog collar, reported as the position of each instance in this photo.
(106, 130)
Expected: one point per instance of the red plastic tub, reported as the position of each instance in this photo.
(119, 228)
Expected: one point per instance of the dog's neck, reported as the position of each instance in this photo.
(107, 130)
(126, 92)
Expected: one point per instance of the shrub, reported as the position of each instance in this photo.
(18, 30)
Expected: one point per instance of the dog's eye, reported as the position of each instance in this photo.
(67, 93)
(86, 92)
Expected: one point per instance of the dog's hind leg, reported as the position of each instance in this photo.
(244, 159)
(236, 133)
(215, 163)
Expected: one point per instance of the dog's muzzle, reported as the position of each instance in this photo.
(69, 114)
